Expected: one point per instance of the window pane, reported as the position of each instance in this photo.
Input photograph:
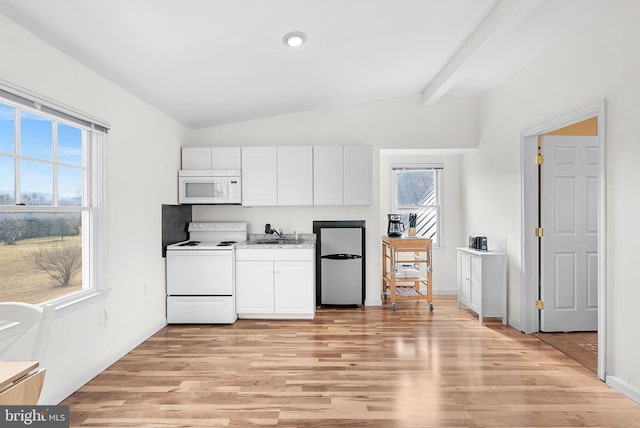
(415, 188)
(69, 145)
(7, 181)
(36, 136)
(69, 186)
(40, 256)
(426, 222)
(7, 129)
(36, 182)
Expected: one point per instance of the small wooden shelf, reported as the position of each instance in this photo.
(406, 270)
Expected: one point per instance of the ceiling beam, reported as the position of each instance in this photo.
(505, 16)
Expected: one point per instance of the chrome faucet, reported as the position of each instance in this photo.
(269, 230)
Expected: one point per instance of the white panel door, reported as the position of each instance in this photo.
(358, 175)
(569, 188)
(465, 278)
(259, 176)
(196, 158)
(226, 158)
(293, 293)
(328, 175)
(254, 287)
(295, 175)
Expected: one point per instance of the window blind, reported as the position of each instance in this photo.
(28, 99)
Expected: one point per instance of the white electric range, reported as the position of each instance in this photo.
(201, 274)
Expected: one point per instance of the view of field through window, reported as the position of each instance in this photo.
(41, 166)
(40, 256)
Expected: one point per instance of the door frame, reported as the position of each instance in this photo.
(529, 250)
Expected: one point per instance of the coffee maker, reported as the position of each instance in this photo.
(395, 227)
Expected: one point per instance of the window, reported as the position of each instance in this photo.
(51, 200)
(417, 190)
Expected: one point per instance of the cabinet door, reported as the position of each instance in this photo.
(295, 175)
(226, 158)
(328, 180)
(196, 158)
(465, 278)
(259, 176)
(358, 175)
(294, 291)
(254, 287)
(476, 282)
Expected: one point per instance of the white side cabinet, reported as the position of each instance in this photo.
(482, 282)
(259, 176)
(275, 283)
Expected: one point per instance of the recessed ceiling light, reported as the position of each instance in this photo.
(294, 39)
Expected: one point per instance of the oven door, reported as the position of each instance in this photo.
(200, 273)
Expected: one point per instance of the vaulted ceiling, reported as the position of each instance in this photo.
(211, 62)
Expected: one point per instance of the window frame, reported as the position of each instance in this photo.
(438, 169)
(93, 207)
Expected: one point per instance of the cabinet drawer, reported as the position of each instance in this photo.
(277, 254)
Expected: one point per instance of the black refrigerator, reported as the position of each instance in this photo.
(340, 262)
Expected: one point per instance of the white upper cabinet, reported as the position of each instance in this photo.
(259, 176)
(358, 175)
(328, 188)
(295, 175)
(211, 158)
(342, 175)
(226, 158)
(196, 158)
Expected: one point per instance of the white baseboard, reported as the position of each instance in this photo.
(76, 382)
(624, 388)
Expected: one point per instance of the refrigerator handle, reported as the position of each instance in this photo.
(341, 257)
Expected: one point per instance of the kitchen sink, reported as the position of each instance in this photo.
(284, 241)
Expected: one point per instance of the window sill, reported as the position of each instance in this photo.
(79, 298)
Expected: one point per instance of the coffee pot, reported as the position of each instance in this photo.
(395, 227)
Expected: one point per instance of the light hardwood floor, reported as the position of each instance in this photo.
(351, 368)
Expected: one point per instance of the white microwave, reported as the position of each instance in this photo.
(209, 187)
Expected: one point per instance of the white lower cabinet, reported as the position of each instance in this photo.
(254, 287)
(275, 283)
(482, 282)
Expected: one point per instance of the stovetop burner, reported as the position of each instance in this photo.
(189, 244)
(226, 243)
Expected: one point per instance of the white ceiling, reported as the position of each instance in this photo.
(211, 62)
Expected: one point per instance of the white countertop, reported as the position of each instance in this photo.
(304, 240)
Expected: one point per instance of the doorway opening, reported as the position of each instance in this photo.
(570, 279)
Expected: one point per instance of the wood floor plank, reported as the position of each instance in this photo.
(367, 367)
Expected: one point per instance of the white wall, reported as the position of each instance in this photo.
(401, 123)
(144, 144)
(600, 62)
(444, 256)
